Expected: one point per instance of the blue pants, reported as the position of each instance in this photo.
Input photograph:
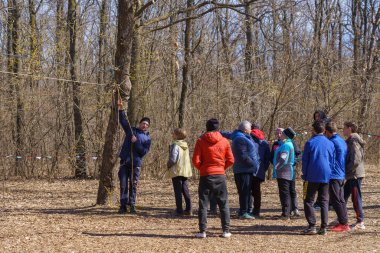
(128, 184)
(353, 187)
(244, 186)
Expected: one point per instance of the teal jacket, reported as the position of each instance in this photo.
(283, 161)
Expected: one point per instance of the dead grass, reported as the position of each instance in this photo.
(60, 216)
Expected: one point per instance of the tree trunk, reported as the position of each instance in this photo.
(135, 99)
(14, 66)
(100, 79)
(186, 69)
(125, 29)
(80, 145)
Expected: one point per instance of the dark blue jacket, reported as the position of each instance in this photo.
(245, 151)
(318, 159)
(140, 148)
(338, 170)
(264, 155)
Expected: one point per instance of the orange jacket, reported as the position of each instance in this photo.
(212, 154)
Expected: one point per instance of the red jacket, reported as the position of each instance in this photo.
(212, 154)
(258, 133)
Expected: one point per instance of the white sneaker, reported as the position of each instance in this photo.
(334, 223)
(200, 235)
(358, 226)
(226, 234)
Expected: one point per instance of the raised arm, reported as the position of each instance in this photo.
(123, 119)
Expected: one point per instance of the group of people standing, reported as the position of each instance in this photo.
(330, 167)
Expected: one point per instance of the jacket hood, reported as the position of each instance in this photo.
(182, 144)
(258, 134)
(212, 137)
(356, 137)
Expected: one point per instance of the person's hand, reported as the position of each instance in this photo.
(120, 104)
(133, 139)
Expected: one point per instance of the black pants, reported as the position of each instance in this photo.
(309, 195)
(256, 195)
(181, 187)
(244, 186)
(337, 200)
(293, 195)
(353, 187)
(217, 186)
(284, 189)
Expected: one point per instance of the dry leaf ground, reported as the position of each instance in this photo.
(60, 216)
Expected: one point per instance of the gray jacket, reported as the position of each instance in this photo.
(355, 157)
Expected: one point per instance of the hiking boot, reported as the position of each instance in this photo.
(200, 235)
(311, 230)
(226, 234)
(358, 226)
(322, 231)
(246, 216)
(340, 228)
(133, 209)
(122, 210)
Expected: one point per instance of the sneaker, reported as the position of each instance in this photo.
(226, 234)
(246, 216)
(133, 209)
(311, 230)
(296, 213)
(188, 213)
(322, 231)
(122, 210)
(334, 223)
(200, 235)
(316, 206)
(358, 226)
(340, 228)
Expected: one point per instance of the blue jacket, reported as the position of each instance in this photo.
(318, 159)
(338, 170)
(140, 148)
(264, 155)
(245, 151)
(283, 161)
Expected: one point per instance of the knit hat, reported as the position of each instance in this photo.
(212, 125)
(146, 119)
(289, 132)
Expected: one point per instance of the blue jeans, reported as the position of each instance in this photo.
(127, 184)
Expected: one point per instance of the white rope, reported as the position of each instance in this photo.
(50, 78)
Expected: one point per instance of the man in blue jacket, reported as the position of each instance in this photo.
(246, 164)
(317, 161)
(283, 170)
(136, 145)
(337, 178)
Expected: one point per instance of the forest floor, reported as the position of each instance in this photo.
(60, 216)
